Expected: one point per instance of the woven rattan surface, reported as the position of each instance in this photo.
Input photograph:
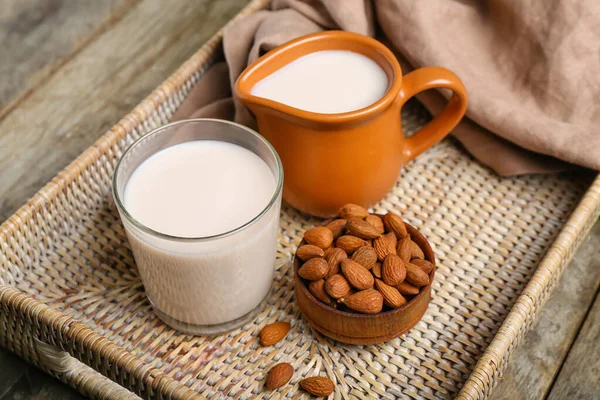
(69, 280)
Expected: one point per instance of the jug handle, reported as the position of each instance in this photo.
(430, 78)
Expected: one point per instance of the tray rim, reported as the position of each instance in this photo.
(73, 340)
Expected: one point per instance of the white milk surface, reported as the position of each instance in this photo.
(326, 82)
(199, 189)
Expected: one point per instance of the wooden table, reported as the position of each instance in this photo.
(72, 69)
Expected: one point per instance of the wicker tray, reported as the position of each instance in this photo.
(71, 301)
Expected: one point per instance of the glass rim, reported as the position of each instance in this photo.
(124, 212)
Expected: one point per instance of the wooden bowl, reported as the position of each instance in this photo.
(354, 328)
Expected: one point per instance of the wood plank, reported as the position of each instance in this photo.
(12, 369)
(37, 385)
(538, 359)
(579, 377)
(39, 36)
(97, 87)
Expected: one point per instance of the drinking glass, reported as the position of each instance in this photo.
(203, 285)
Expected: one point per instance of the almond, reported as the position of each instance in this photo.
(415, 251)
(407, 289)
(334, 259)
(337, 286)
(273, 333)
(357, 275)
(425, 265)
(279, 375)
(353, 211)
(319, 236)
(317, 288)
(404, 249)
(365, 256)
(383, 247)
(361, 229)
(309, 251)
(376, 222)
(317, 386)
(392, 270)
(349, 243)
(376, 270)
(391, 295)
(368, 301)
(394, 223)
(391, 237)
(416, 276)
(337, 227)
(328, 251)
(314, 269)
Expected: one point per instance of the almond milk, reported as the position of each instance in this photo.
(199, 189)
(194, 192)
(326, 82)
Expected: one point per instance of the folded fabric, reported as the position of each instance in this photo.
(531, 68)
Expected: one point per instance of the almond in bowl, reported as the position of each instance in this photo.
(363, 278)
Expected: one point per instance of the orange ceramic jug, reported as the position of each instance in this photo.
(353, 157)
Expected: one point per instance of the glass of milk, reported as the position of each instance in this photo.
(200, 200)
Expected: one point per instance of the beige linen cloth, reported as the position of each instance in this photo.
(531, 68)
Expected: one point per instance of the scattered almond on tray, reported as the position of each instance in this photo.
(280, 374)
(362, 262)
(317, 386)
(274, 333)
